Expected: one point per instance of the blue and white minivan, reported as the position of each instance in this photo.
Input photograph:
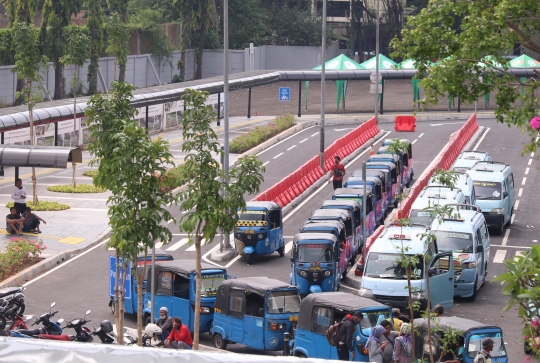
(467, 159)
(385, 280)
(495, 193)
(430, 196)
(463, 182)
(466, 235)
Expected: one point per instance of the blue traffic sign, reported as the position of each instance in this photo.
(284, 93)
(112, 279)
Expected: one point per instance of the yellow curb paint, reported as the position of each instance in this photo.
(70, 240)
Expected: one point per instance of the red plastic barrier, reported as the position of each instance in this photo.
(405, 123)
(371, 239)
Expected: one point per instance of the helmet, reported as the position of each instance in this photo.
(152, 329)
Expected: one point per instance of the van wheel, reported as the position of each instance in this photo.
(475, 290)
(500, 228)
(281, 251)
(249, 259)
(219, 342)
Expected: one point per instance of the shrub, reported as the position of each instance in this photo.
(260, 134)
(81, 188)
(43, 206)
(19, 254)
(91, 173)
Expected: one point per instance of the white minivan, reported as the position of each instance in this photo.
(467, 159)
(463, 182)
(430, 196)
(384, 278)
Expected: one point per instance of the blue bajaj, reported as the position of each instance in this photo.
(259, 230)
(317, 264)
(254, 311)
(392, 185)
(175, 286)
(319, 311)
(375, 185)
(345, 217)
(406, 160)
(355, 209)
(381, 175)
(358, 195)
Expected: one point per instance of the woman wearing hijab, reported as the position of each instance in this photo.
(403, 346)
(374, 346)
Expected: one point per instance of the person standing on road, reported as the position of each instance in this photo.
(165, 323)
(336, 174)
(484, 355)
(18, 194)
(389, 337)
(180, 337)
(403, 345)
(346, 334)
(374, 345)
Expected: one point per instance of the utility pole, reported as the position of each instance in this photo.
(323, 79)
(377, 66)
(226, 242)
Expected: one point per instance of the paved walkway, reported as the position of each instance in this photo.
(86, 221)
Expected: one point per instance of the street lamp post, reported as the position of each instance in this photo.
(227, 243)
(377, 66)
(323, 80)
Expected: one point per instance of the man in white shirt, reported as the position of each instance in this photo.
(18, 194)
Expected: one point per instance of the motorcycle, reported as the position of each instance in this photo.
(105, 333)
(15, 297)
(150, 331)
(82, 333)
(50, 330)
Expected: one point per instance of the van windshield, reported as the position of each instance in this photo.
(421, 216)
(387, 266)
(280, 302)
(315, 252)
(252, 215)
(487, 190)
(454, 241)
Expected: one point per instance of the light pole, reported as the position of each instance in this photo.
(227, 242)
(377, 66)
(323, 79)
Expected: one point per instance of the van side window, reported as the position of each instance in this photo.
(479, 237)
(511, 177)
(441, 265)
(484, 232)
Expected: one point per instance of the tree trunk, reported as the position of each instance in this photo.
(20, 85)
(74, 182)
(198, 72)
(198, 286)
(411, 310)
(183, 47)
(140, 278)
(58, 79)
(92, 76)
(122, 73)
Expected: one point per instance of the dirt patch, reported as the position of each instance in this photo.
(26, 263)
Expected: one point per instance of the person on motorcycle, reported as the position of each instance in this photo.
(180, 337)
(165, 322)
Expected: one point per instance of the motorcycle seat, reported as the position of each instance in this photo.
(29, 332)
(54, 337)
(9, 291)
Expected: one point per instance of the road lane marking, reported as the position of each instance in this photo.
(315, 134)
(278, 155)
(520, 191)
(422, 134)
(192, 248)
(170, 221)
(530, 161)
(159, 244)
(306, 139)
(288, 247)
(499, 256)
(412, 143)
(178, 244)
(516, 205)
(282, 141)
(447, 123)
(481, 139)
(527, 171)
(532, 154)
(521, 247)
(512, 218)
(505, 238)
(524, 180)
(518, 254)
(266, 163)
(292, 147)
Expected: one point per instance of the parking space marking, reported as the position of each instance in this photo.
(516, 205)
(292, 147)
(505, 238)
(177, 245)
(518, 254)
(159, 244)
(527, 171)
(422, 134)
(481, 139)
(412, 143)
(532, 154)
(499, 256)
(266, 163)
(278, 155)
(524, 180)
(512, 218)
(530, 161)
(288, 247)
(192, 247)
(520, 191)
(170, 221)
(306, 139)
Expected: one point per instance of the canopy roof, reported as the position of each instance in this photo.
(340, 62)
(524, 61)
(39, 156)
(384, 63)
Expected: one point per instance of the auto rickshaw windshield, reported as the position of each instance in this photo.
(475, 345)
(252, 215)
(281, 302)
(210, 284)
(315, 252)
(372, 319)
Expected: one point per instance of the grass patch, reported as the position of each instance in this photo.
(91, 173)
(44, 206)
(81, 188)
(260, 134)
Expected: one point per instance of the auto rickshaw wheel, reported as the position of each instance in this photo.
(147, 320)
(112, 307)
(249, 259)
(219, 342)
(527, 348)
(281, 251)
(300, 355)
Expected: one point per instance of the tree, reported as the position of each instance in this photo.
(76, 52)
(56, 17)
(130, 164)
(118, 40)
(460, 34)
(28, 62)
(120, 7)
(95, 29)
(202, 201)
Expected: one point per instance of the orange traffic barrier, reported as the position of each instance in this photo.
(405, 123)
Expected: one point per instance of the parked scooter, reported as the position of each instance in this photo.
(50, 330)
(15, 297)
(82, 333)
(150, 331)
(105, 333)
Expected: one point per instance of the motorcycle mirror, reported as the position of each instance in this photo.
(61, 320)
(53, 304)
(88, 312)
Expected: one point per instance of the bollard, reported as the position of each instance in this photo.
(286, 348)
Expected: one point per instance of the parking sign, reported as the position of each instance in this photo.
(284, 93)
(112, 279)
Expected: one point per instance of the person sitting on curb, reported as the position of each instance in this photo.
(180, 338)
(31, 221)
(14, 222)
(165, 323)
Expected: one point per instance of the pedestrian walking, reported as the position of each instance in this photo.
(403, 345)
(336, 173)
(18, 194)
(389, 336)
(374, 345)
(346, 334)
(371, 150)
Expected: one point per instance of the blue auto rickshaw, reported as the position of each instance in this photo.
(254, 311)
(319, 311)
(406, 160)
(344, 216)
(317, 262)
(374, 184)
(130, 305)
(382, 175)
(391, 180)
(355, 209)
(259, 230)
(175, 286)
(358, 195)
(469, 342)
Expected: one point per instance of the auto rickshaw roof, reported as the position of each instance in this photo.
(349, 203)
(325, 224)
(384, 155)
(370, 178)
(369, 172)
(314, 236)
(339, 300)
(263, 204)
(381, 163)
(183, 267)
(353, 191)
(454, 322)
(158, 252)
(342, 213)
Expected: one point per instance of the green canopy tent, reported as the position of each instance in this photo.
(523, 61)
(411, 64)
(339, 62)
(384, 64)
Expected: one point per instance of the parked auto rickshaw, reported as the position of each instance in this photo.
(470, 343)
(358, 195)
(254, 311)
(342, 215)
(391, 179)
(175, 284)
(259, 230)
(319, 311)
(382, 175)
(317, 262)
(406, 159)
(131, 303)
(374, 184)
(356, 211)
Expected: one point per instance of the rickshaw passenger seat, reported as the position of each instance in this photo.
(260, 313)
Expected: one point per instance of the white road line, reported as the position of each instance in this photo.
(499, 256)
(177, 245)
(315, 134)
(518, 253)
(278, 155)
(520, 191)
(282, 141)
(306, 139)
(505, 238)
(170, 221)
(532, 155)
(266, 163)
(512, 218)
(288, 247)
(521, 247)
(524, 180)
(530, 161)
(322, 187)
(65, 263)
(292, 147)
(516, 205)
(527, 171)
(159, 244)
(481, 139)
(412, 143)
(422, 134)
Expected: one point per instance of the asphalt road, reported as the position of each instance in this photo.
(82, 283)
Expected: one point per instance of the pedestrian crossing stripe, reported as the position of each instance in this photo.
(500, 255)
